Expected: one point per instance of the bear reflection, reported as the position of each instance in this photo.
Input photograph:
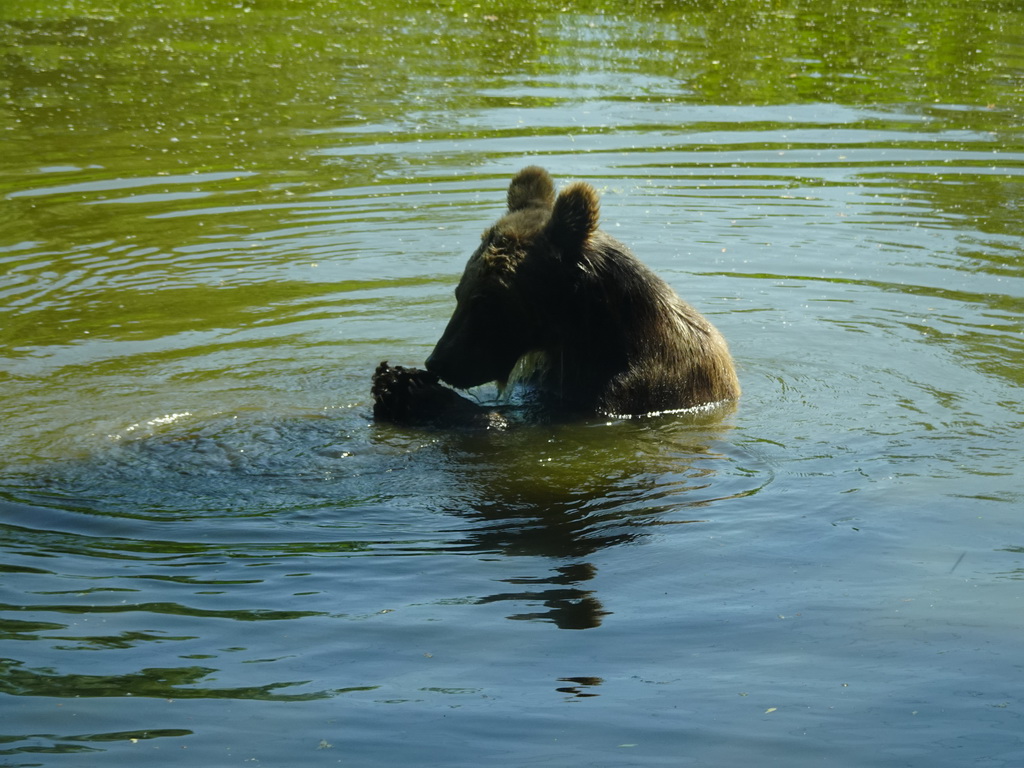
(565, 492)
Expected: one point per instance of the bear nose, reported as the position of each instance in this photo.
(443, 369)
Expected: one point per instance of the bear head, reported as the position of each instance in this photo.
(514, 286)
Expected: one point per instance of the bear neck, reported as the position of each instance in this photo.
(613, 320)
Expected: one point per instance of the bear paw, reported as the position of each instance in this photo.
(412, 396)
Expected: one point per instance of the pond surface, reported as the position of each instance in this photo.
(217, 221)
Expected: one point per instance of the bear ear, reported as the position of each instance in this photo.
(575, 216)
(531, 187)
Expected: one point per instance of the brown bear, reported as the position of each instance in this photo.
(576, 315)
(592, 329)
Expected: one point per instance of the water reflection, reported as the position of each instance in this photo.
(91, 743)
(234, 212)
(580, 687)
(565, 492)
(568, 606)
(161, 683)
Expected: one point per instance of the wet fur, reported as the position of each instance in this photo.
(549, 295)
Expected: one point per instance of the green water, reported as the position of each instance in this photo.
(218, 218)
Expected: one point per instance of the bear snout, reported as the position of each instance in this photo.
(462, 368)
(435, 366)
(441, 367)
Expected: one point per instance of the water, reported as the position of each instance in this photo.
(217, 221)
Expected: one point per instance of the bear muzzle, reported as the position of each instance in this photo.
(444, 368)
(462, 370)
